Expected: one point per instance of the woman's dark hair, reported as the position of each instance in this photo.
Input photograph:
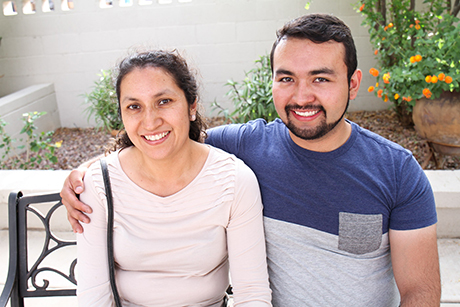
(176, 66)
(320, 28)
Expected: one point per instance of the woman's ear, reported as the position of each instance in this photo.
(355, 82)
(192, 111)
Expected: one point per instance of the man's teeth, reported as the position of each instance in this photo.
(306, 114)
(156, 137)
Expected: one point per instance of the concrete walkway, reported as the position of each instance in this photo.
(449, 254)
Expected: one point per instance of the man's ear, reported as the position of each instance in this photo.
(355, 82)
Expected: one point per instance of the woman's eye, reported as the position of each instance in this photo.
(133, 107)
(164, 101)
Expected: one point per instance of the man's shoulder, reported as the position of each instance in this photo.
(371, 139)
(252, 133)
(259, 125)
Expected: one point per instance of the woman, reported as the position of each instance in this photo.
(184, 212)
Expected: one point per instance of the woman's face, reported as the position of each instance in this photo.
(155, 112)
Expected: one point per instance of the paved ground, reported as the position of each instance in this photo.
(449, 253)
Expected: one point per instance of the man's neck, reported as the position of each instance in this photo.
(329, 142)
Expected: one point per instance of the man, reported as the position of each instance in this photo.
(350, 218)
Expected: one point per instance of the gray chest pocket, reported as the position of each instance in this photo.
(360, 233)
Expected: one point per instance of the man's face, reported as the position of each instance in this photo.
(310, 87)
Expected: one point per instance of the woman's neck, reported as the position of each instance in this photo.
(166, 176)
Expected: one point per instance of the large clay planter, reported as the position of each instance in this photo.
(438, 121)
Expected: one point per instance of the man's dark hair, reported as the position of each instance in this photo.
(320, 28)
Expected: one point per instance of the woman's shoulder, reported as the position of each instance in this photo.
(229, 162)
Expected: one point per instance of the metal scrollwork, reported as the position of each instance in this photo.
(34, 270)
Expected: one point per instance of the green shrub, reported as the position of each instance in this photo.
(252, 97)
(102, 101)
(38, 146)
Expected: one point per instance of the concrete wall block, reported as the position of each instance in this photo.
(25, 97)
(53, 47)
(174, 36)
(73, 111)
(253, 31)
(48, 122)
(216, 33)
(61, 44)
(223, 53)
(287, 10)
(347, 8)
(23, 46)
(34, 98)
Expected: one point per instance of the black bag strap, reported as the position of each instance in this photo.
(108, 193)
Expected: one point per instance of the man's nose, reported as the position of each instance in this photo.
(304, 93)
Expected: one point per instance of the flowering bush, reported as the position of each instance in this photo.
(418, 50)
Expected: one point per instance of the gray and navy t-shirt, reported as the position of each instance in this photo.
(327, 215)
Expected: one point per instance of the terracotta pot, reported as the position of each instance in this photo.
(438, 121)
(404, 114)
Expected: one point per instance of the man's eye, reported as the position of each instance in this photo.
(320, 79)
(286, 79)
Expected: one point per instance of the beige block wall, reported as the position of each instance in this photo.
(220, 37)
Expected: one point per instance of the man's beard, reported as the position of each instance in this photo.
(314, 133)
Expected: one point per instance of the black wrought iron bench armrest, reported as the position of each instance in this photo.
(21, 279)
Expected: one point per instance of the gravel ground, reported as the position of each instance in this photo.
(79, 145)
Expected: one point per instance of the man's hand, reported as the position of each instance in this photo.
(73, 185)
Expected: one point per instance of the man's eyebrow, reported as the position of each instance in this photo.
(284, 72)
(321, 71)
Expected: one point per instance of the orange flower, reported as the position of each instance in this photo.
(408, 99)
(417, 27)
(361, 8)
(370, 89)
(441, 76)
(428, 79)
(417, 22)
(434, 79)
(376, 52)
(390, 25)
(386, 28)
(427, 93)
(374, 72)
(411, 26)
(448, 79)
(386, 98)
(386, 78)
(418, 58)
(379, 93)
(412, 59)
(396, 96)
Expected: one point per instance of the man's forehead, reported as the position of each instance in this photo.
(292, 49)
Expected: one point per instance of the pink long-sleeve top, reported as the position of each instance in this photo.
(176, 250)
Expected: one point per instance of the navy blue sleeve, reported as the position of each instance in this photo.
(415, 206)
(226, 137)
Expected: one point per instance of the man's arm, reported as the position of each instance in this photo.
(73, 185)
(414, 255)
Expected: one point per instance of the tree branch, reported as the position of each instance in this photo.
(456, 8)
